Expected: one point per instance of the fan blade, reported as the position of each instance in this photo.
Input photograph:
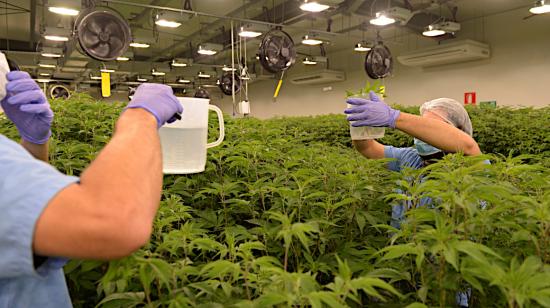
(113, 28)
(102, 50)
(90, 39)
(116, 44)
(94, 26)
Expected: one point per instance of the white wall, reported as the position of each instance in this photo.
(518, 72)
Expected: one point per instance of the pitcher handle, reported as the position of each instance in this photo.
(222, 128)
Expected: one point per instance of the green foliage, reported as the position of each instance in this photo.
(288, 214)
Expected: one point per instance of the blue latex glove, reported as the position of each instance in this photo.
(27, 107)
(159, 100)
(371, 112)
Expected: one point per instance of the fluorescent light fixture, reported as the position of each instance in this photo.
(95, 77)
(251, 31)
(156, 72)
(56, 38)
(209, 49)
(226, 68)
(313, 6)
(63, 11)
(44, 74)
(183, 80)
(122, 58)
(382, 20)
(139, 45)
(540, 8)
(51, 52)
(43, 80)
(203, 75)
(48, 63)
(64, 7)
(441, 28)
(167, 23)
(311, 40)
(141, 79)
(107, 70)
(179, 62)
(362, 47)
(309, 61)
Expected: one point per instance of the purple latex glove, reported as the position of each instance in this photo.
(159, 100)
(27, 107)
(371, 112)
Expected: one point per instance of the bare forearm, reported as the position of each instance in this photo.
(128, 171)
(39, 151)
(369, 148)
(437, 133)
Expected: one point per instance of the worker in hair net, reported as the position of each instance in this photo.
(443, 127)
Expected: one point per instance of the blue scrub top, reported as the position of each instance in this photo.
(26, 187)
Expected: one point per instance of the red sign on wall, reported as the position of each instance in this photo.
(469, 98)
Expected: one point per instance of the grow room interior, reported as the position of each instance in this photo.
(286, 212)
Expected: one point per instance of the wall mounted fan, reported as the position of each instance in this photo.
(59, 91)
(379, 62)
(277, 52)
(226, 83)
(102, 34)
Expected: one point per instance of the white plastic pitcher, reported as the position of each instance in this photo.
(184, 142)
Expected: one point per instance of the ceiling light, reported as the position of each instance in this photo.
(309, 61)
(48, 63)
(44, 80)
(141, 79)
(167, 23)
(122, 58)
(311, 40)
(251, 31)
(95, 77)
(179, 62)
(313, 6)
(63, 11)
(209, 49)
(203, 75)
(51, 52)
(139, 45)
(64, 7)
(183, 80)
(107, 70)
(441, 28)
(362, 47)
(382, 20)
(44, 74)
(155, 72)
(56, 38)
(226, 68)
(540, 8)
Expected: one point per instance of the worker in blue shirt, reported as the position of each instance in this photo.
(47, 217)
(442, 127)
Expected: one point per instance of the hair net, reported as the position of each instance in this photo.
(450, 110)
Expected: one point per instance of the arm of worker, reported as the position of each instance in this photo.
(109, 213)
(39, 151)
(440, 134)
(374, 112)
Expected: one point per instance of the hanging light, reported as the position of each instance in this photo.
(179, 62)
(95, 77)
(169, 19)
(107, 70)
(226, 68)
(311, 40)
(155, 72)
(441, 28)
(47, 63)
(433, 30)
(64, 7)
(313, 6)
(43, 80)
(141, 79)
(250, 31)
(183, 80)
(540, 8)
(362, 47)
(202, 74)
(51, 52)
(44, 74)
(382, 20)
(125, 57)
(309, 61)
(140, 42)
(209, 49)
